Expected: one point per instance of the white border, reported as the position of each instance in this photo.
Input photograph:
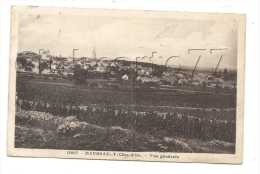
(251, 150)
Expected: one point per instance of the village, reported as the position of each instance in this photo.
(28, 61)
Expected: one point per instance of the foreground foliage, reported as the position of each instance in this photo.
(44, 131)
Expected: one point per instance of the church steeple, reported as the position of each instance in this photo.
(94, 53)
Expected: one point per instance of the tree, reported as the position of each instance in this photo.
(29, 66)
(80, 74)
(43, 66)
(131, 73)
(22, 61)
(217, 88)
(225, 74)
(203, 84)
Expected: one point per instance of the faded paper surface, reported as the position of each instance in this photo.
(199, 42)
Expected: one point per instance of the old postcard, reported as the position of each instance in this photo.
(126, 85)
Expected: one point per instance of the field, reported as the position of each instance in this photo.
(69, 94)
(144, 119)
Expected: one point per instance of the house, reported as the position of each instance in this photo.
(201, 76)
(147, 73)
(105, 64)
(66, 67)
(140, 71)
(145, 79)
(46, 71)
(182, 81)
(212, 85)
(156, 79)
(76, 59)
(210, 78)
(54, 66)
(56, 60)
(149, 79)
(228, 84)
(27, 54)
(98, 63)
(113, 64)
(179, 75)
(55, 71)
(196, 83)
(45, 55)
(170, 79)
(139, 66)
(65, 62)
(101, 68)
(218, 80)
(35, 69)
(196, 79)
(93, 63)
(71, 66)
(133, 65)
(28, 59)
(67, 72)
(86, 66)
(84, 59)
(70, 59)
(166, 74)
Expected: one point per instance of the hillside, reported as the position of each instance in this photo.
(45, 131)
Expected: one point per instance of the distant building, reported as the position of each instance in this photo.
(149, 79)
(195, 79)
(46, 71)
(227, 84)
(56, 60)
(170, 79)
(66, 67)
(35, 69)
(28, 59)
(218, 81)
(166, 74)
(65, 62)
(195, 83)
(132, 65)
(70, 59)
(55, 71)
(67, 72)
(86, 66)
(156, 79)
(27, 55)
(147, 73)
(179, 75)
(140, 71)
(211, 78)
(85, 59)
(101, 68)
(92, 63)
(182, 81)
(45, 55)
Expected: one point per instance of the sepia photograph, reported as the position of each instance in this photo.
(126, 85)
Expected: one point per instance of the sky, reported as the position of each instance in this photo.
(131, 37)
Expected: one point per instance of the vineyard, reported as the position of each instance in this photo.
(150, 113)
(73, 95)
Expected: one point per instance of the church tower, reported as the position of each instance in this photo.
(94, 54)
